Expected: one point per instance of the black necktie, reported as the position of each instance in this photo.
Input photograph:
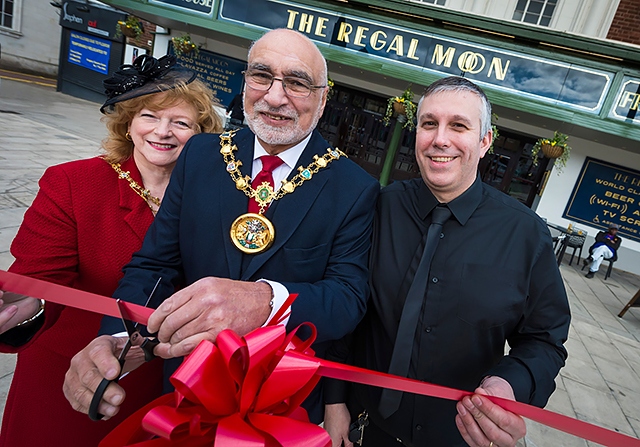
(401, 357)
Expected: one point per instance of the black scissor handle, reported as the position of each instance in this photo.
(148, 345)
(97, 397)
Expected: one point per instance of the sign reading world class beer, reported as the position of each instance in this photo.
(606, 193)
(571, 85)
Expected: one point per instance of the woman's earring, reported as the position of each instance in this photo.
(128, 136)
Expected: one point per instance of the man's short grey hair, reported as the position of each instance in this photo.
(459, 84)
(323, 75)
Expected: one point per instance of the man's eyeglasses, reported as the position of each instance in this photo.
(293, 86)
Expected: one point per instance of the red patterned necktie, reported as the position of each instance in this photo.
(269, 163)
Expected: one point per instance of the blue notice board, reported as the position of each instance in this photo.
(89, 51)
(606, 193)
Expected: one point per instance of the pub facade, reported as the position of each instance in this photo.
(538, 80)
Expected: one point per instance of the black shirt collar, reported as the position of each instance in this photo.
(462, 207)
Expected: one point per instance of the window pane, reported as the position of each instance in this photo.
(535, 7)
(8, 8)
(548, 10)
(530, 18)
(519, 12)
(545, 21)
(521, 6)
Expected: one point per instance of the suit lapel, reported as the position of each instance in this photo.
(137, 209)
(232, 202)
(288, 212)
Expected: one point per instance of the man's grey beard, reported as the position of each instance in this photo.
(277, 136)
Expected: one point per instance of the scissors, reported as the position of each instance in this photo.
(135, 339)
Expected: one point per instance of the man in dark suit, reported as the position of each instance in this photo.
(309, 234)
(605, 247)
(493, 279)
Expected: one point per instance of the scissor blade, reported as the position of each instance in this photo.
(129, 325)
(153, 291)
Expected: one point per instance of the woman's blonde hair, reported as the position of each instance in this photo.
(118, 148)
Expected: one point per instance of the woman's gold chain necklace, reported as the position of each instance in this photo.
(142, 192)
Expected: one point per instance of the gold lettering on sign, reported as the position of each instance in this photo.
(321, 26)
(292, 18)
(360, 34)
(344, 32)
(376, 42)
(413, 46)
(629, 100)
(445, 59)
(396, 45)
(471, 62)
(306, 20)
(501, 71)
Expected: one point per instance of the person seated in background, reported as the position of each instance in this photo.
(235, 112)
(605, 247)
(82, 228)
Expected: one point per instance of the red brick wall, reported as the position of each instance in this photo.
(144, 38)
(625, 26)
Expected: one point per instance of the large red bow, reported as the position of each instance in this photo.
(242, 391)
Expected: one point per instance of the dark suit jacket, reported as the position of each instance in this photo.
(321, 245)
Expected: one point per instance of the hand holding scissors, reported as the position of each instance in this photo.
(135, 339)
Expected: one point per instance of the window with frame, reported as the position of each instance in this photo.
(431, 2)
(6, 13)
(537, 12)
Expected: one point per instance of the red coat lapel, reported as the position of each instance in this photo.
(139, 210)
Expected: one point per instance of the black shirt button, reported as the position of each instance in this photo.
(427, 329)
(441, 235)
(434, 280)
(418, 427)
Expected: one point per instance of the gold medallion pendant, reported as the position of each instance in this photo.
(252, 233)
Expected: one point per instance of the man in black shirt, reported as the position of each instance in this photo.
(493, 280)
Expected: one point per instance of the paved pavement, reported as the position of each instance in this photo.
(600, 383)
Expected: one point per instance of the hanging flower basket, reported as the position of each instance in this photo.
(127, 31)
(552, 152)
(183, 45)
(555, 148)
(401, 106)
(132, 27)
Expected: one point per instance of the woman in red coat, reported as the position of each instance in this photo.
(85, 223)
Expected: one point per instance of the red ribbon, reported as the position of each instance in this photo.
(67, 296)
(247, 391)
(238, 392)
